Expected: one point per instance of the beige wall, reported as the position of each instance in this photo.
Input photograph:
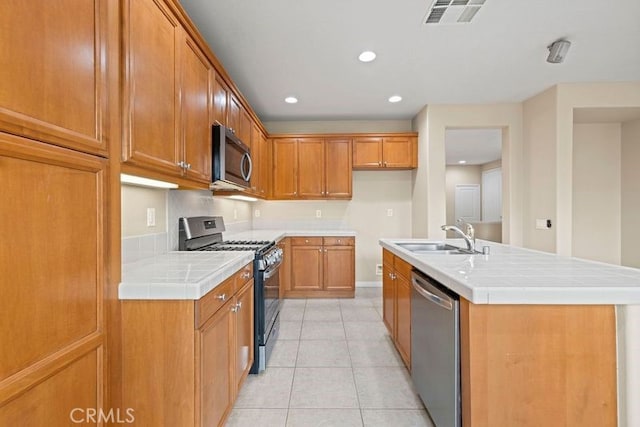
(539, 172)
(337, 126)
(630, 141)
(374, 192)
(429, 186)
(135, 201)
(596, 192)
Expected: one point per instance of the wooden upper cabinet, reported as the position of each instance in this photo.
(388, 151)
(54, 68)
(367, 152)
(196, 111)
(398, 152)
(338, 176)
(233, 113)
(323, 168)
(152, 36)
(311, 168)
(245, 127)
(285, 168)
(220, 100)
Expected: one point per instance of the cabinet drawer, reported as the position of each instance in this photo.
(302, 241)
(211, 302)
(387, 258)
(403, 268)
(339, 241)
(243, 276)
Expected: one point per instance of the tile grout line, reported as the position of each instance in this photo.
(353, 374)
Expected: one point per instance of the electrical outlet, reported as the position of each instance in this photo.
(389, 212)
(543, 224)
(151, 217)
(318, 213)
(378, 269)
(256, 213)
(235, 214)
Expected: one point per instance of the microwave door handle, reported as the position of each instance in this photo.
(246, 157)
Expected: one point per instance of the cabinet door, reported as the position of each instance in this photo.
(339, 268)
(403, 318)
(367, 152)
(196, 111)
(285, 168)
(53, 323)
(311, 168)
(256, 158)
(338, 176)
(245, 127)
(388, 297)
(306, 268)
(151, 99)
(244, 333)
(265, 167)
(233, 114)
(216, 346)
(54, 70)
(220, 100)
(397, 152)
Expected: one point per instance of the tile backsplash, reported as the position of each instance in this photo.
(135, 248)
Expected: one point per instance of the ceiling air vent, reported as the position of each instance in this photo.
(452, 11)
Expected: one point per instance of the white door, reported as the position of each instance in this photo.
(492, 195)
(468, 202)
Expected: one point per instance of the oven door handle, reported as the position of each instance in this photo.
(271, 271)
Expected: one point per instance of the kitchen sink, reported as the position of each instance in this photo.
(434, 248)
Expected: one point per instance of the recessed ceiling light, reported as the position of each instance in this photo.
(462, 162)
(291, 100)
(395, 98)
(367, 56)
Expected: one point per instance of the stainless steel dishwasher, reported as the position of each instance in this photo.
(435, 349)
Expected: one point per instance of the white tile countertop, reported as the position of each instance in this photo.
(511, 275)
(180, 275)
(191, 275)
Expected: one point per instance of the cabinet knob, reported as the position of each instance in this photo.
(246, 275)
(222, 297)
(306, 240)
(339, 241)
(295, 193)
(320, 250)
(379, 163)
(188, 166)
(385, 164)
(239, 305)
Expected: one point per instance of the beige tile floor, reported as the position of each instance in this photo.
(333, 365)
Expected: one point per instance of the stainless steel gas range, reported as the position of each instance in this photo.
(204, 233)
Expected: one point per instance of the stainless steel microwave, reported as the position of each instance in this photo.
(231, 161)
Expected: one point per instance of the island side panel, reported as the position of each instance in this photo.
(533, 365)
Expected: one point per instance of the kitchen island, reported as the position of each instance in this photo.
(537, 332)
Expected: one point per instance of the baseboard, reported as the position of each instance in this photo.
(361, 284)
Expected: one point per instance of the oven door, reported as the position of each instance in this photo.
(271, 281)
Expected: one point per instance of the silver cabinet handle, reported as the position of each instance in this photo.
(246, 275)
(187, 166)
(222, 297)
(320, 250)
(306, 240)
(180, 164)
(339, 240)
(239, 305)
(236, 307)
(385, 164)
(379, 163)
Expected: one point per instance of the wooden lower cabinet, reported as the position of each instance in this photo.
(184, 361)
(396, 303)
(521, 365)
(322, 267)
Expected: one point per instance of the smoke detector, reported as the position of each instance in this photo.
(452, 11)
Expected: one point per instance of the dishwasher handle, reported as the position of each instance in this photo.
(419, 285)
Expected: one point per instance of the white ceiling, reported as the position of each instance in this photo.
(309, 49)
(475, 146)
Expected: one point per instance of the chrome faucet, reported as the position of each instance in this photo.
(469, 237)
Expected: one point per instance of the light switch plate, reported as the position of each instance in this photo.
(389, 212)
(318, 213)
(256, 213)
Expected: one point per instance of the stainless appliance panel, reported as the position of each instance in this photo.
(231, 163)
(435, 349)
